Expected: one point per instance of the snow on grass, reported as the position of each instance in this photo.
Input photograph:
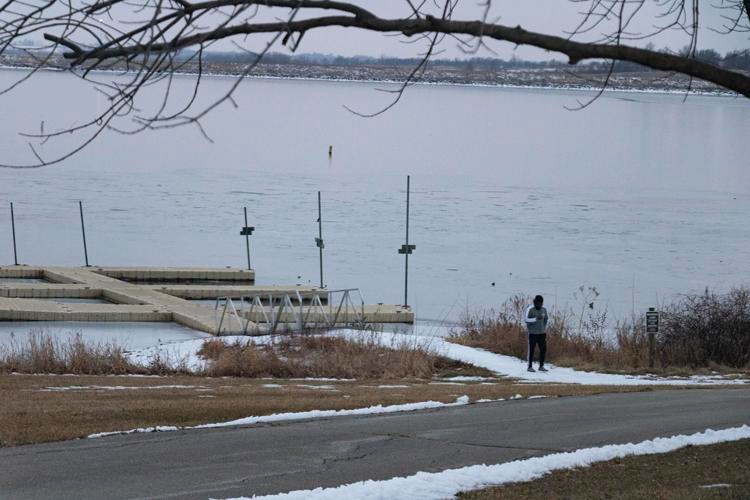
(509, 366)
(464, 378)
(117, 387)
(312, 414)
(506, 366)
(318, 387)
(448, 483)
(325, 379)
(185, 353)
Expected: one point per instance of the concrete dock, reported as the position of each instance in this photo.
(39, 293)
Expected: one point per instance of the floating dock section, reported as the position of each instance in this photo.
(216, 301)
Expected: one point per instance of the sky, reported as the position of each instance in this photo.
(546, 16)
(554, 17)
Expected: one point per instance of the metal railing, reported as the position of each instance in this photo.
(264, 313)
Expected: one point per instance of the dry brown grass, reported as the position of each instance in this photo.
(33, 411)
(586, 340)
(363, 357)
(289, 356)
(680, 475)
(44, 353)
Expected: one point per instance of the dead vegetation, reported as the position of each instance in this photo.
(718, 471)
(698, 334)
(363, 357)
(41, 352)
(42, 408)
(287, 356)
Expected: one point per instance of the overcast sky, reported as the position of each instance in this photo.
(547, 16)
(555, 17)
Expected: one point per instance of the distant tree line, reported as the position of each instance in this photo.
(733, 60)
(736, 60)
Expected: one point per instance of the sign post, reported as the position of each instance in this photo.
(652, 328)
(246, 232)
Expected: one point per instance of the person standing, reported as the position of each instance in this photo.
(536, 321)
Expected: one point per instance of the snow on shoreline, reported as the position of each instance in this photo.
(505, 366)
(448, 483)
(509, 366)
(279, 417)
(441, 83)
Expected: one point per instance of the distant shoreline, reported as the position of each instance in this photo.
(446, 83)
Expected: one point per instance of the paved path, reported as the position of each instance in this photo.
(306, 454)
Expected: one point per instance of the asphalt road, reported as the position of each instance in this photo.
(230, 462)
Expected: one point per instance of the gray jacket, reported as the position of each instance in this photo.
(536, 319)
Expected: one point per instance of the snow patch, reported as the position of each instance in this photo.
(66, 388)
(509, 366)
(467, 379)
(312, 414)
(446, 484)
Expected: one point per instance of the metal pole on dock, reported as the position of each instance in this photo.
(83, 232)
(247, 231)
(13, 229)
(319, 240)
(407, 249)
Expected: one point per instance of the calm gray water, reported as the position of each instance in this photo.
(642, 195)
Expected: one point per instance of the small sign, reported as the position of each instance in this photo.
(407, 249)
(652, 322)
(319, 243)
(247, 231)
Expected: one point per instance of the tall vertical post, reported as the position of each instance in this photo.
(247, 239)
(406, 248)
(83, 232)
(406, 254)
(319, 239)
(13, 229)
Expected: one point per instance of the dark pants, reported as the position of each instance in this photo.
(537, 339)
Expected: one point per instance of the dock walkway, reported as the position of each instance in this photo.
(155, 294)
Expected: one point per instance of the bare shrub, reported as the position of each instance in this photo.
(41, 352)
(503, 331)
(700, 330)
(298, 356)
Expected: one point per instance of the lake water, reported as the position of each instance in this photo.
(642, 195)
